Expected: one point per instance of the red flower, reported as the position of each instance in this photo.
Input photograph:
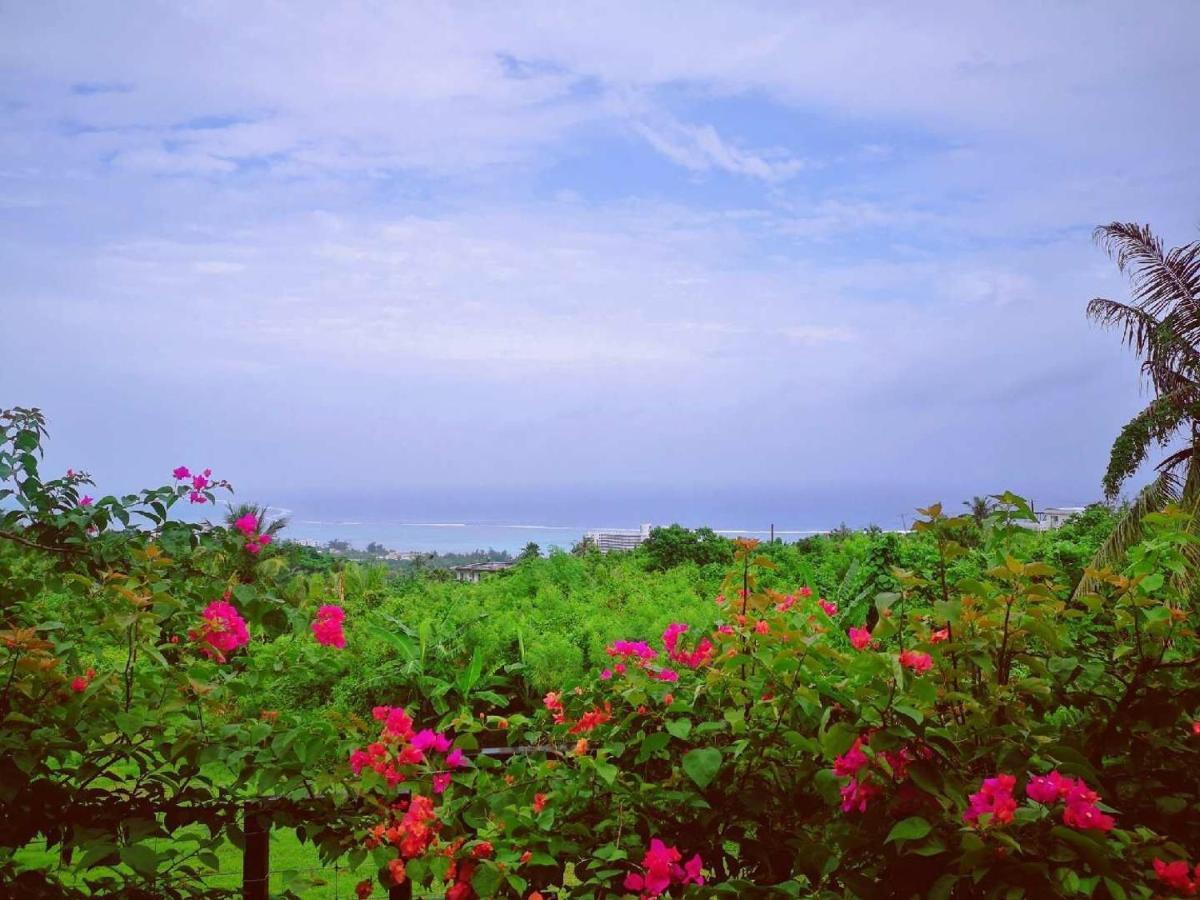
(916, 660)
(539, 802)
(364, 888)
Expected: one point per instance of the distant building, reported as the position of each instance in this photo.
(476, 571)
(618, 538)
(1056, 516)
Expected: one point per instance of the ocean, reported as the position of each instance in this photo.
(508, 518)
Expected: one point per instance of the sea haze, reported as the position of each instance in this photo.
(507, 518)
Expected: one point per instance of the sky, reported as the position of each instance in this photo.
(685, 248)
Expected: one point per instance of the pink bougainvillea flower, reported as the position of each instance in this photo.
(197, 497)
(1176, 875)
(805, 591)
(916, 660)
(993, 798)
(247, 524)
(830, 608)
(942, 634)
(539, 802)
(253, 548)
(79, 683)
(199, 482)
(181, 473)
(860, 638)
(640, 649)
(327, 626)
(667, 675)
(849, 763)
(86, 501)
(1047, 789)
(455, 758)
(222, 630)
(858, 794)
(762, 626)
(661, 868)
(693, 659)
(606, 675)
(1081, 811)
(441, 781)
(725, 629)
(785, 604)
(264, 539)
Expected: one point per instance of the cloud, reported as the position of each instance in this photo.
(604, 225)
(699, 148)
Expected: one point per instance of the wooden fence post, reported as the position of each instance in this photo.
(256, 855)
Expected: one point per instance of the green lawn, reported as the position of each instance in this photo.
(294, 865)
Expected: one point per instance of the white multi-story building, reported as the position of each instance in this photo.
(606, 539)
(1056, 516)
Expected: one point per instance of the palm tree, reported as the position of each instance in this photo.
(1161, 325)
(980, 508)
(272, 527)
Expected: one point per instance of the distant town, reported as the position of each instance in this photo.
(474, 565)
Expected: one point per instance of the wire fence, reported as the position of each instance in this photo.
(250, 871)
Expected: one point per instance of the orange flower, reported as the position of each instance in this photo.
(581, 746)
(396, 870)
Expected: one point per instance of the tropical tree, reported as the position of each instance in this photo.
(980, 508)
(1161, 324)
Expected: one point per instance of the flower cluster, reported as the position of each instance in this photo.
(248, 525)
(662, 867)
(400, 749)
(1080, 810)
(199, 483)
(630, 649)
(327, 626)
(995, 799)
(80, 683)
(860, 638)
(412, 830)
(1177, 876)
(916, 660)
(222, 630)
(830, 609)
(865, 784)
(693, 660)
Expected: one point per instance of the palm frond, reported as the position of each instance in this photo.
(1157, 494)
(1161, 281)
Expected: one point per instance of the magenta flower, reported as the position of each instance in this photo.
(181, 473)
(247, 524)
(993, 798)
(860, 638)
(606, 675)
(455, 758)
(327, 626)
(830, 608)
(197, 497)
(441, 781)
(916, 660)
(86, 501)
(222, 630)
(199, 482)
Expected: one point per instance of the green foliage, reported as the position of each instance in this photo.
(752, 733)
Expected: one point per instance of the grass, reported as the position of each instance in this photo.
(295, 866)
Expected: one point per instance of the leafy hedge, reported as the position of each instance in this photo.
(942, 722)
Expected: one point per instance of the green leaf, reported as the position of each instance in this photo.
(470, 677)
(140, 858)
(702, 765)
(486, 880)
(400, 642)
(680, 728)
(910, 829)
(651, 744)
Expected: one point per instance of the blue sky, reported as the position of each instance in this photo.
(675, 245)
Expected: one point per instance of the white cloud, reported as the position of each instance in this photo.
(700, 148)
